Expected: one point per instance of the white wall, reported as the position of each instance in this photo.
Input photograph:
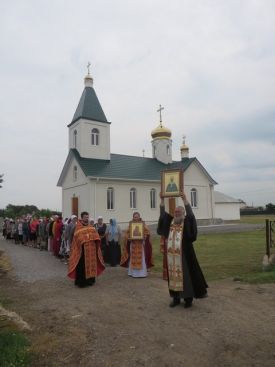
(75, 188)
(160, 146)
(122, 211)
(195, 178)
(84, 146)
(227, 211)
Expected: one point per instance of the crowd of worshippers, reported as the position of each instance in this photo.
(55, 235)
(88, 246)
(181, 268)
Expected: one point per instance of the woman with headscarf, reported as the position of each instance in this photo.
(113, 235)
(137, 253)
(100, 226)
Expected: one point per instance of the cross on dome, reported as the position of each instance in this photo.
(159, 110)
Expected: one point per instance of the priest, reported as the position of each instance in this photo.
(185, 278)
(86, 261)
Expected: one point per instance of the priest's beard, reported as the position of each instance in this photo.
(179, 220)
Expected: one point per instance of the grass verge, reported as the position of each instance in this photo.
(14, 349)
(14, 345)
(228, 255)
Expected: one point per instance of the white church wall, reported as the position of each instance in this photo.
(69, 180)
(74, 188)
(122, 211)
(75, 127)
(85, 148)
(82, 193)
(195, 178)
(159, 147)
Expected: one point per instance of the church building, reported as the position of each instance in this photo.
(116, 185)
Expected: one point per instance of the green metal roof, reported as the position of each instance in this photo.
(127, 167)
(89, 107)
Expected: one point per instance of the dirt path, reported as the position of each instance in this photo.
(127, 322)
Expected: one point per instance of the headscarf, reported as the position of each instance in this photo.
(112, 229)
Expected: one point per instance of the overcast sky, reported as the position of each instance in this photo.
(211, 64)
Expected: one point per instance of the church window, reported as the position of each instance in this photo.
(75, 173)
(95, 137)
(194, 198)
(168, 150)
(133, 198)
(75, 138)
(110, 198)
(153, 198)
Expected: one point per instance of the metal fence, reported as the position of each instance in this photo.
(270, 235)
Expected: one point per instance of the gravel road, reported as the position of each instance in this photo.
(31, 265)
(126, 322)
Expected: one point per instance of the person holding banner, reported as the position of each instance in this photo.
(137, 251)
(185, 278)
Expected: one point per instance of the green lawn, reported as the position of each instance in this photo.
(228, 255)
(14, 345)
(13, 349)
(256, 219)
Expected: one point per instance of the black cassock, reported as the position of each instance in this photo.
(194, 284)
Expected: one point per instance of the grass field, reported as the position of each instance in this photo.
(256, 219)
(230, 255)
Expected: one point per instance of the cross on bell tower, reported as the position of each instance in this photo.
(88, 67)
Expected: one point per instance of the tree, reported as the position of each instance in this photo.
(270, 208)
(1, 179)
(14, 211)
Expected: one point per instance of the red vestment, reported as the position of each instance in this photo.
(87, 239)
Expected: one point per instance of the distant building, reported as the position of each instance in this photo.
(226, 207)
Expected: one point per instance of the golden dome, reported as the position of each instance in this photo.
(161, 132)
(184, 147)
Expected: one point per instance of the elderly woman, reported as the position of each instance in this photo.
(100, 226)
(113, 235)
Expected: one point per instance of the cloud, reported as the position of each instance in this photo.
(211, 64)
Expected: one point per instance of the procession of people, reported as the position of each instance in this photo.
(89, 246)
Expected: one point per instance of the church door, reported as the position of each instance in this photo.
(75, 206)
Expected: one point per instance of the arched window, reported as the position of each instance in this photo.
(95, 137)
(75, 173)
(194, 198)
(133, 198)
(153, 198)
(75, 138)
(168, 150)
(110, 198)
(154, 152)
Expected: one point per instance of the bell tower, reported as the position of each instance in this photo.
(89, 131)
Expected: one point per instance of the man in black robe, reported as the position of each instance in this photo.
(185, 278)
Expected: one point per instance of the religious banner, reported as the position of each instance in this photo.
(136, 230)
(171, 183)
